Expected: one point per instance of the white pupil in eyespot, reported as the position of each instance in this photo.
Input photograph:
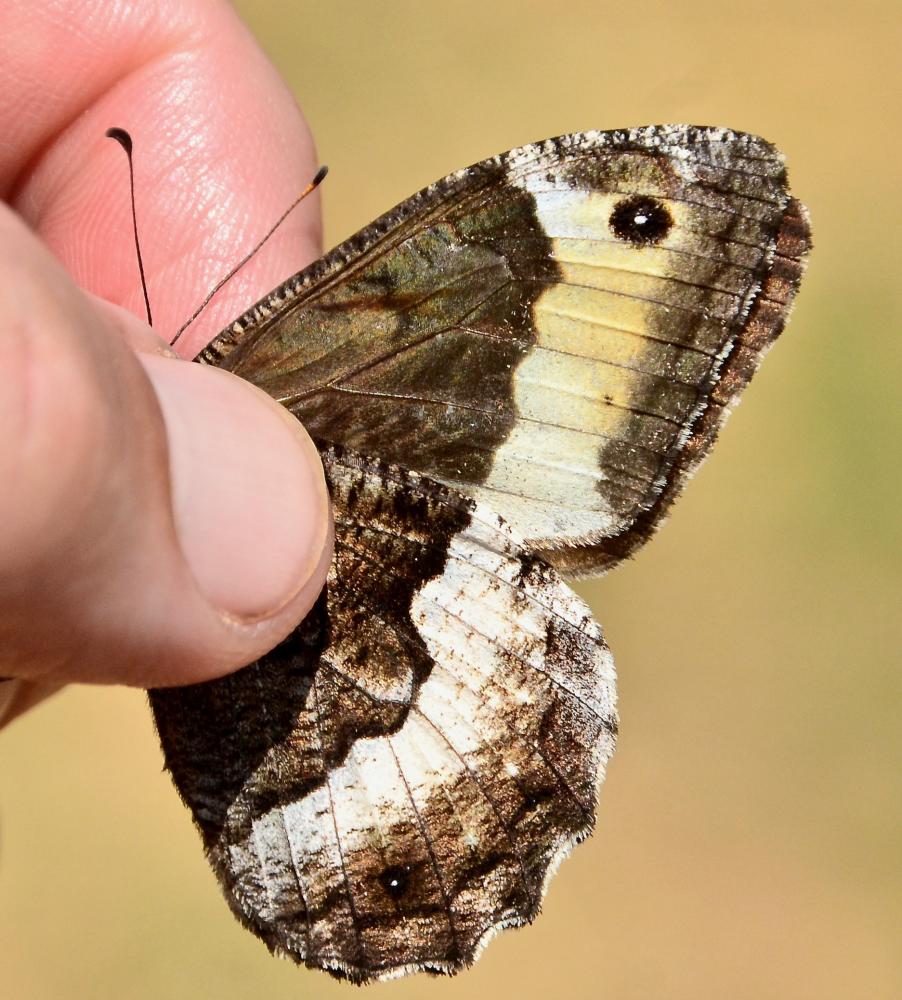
(640, 219)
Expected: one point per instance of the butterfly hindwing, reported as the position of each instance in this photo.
(558, 331)
(397, 780)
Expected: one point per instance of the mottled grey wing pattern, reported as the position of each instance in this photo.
(398, 779)
(558, 331)
(555, 334)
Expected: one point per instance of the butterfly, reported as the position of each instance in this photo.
(510, 376)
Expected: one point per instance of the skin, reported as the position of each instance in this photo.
(163, 523)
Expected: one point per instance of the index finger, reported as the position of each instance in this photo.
(221, 149)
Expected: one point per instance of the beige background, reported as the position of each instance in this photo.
(748, 843)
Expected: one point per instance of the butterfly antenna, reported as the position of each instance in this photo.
(312, 186)
(125, 141)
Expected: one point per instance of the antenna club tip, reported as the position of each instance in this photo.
(320, 176)
(121, 136)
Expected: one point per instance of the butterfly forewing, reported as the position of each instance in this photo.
(395, 781)
(546, 330)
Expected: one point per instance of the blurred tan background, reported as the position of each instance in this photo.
(749, 836)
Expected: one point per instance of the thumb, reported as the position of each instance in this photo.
(162, 522)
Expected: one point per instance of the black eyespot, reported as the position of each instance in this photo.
(641, 220)
(395, 881)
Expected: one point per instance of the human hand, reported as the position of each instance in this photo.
(162, 523)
